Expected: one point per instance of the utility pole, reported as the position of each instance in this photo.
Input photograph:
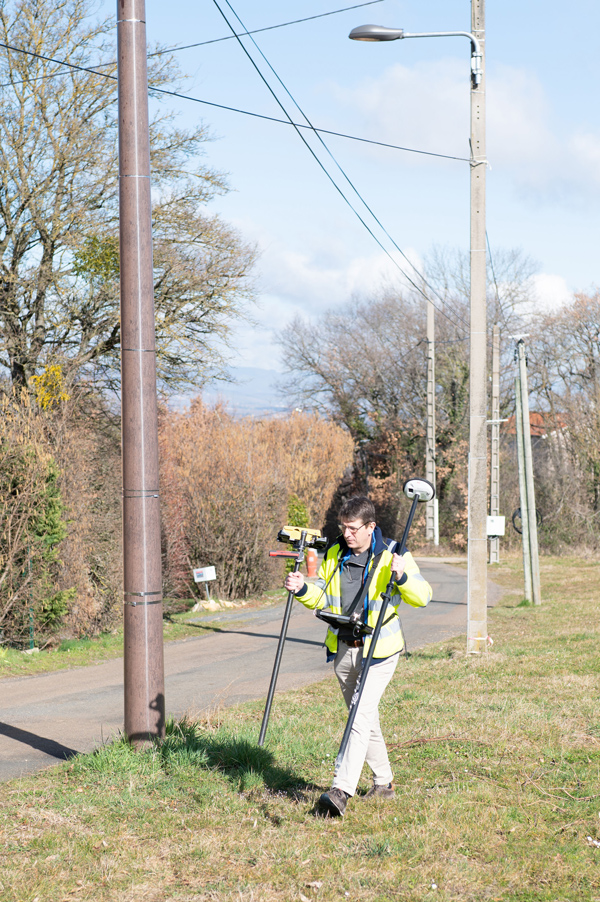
(531, 513)
(477, 479)
(431, 507)
(477, 467)
(495, 443)
(522, 486)
(142, 575)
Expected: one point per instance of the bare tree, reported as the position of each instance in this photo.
(565, 359)
(365, 366)
(58, 208)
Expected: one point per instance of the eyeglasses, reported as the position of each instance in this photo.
(352, 529)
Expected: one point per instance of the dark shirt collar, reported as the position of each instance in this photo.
(377, 545)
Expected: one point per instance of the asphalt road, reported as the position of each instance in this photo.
(56, 715)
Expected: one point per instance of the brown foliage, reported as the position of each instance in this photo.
(60, 516)
(87, 448)
(24, 461)
(564, 380)
(225, 484)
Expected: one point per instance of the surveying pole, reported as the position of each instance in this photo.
(531, 512)
(477, 478)
(142, 576)
(495, 443)
(431, 508)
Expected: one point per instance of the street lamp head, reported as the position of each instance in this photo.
(376, 33)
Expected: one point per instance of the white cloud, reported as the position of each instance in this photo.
(314, 281)
(526, 136)
(308, 282)
(427, 107)
(550, 292)
(313, 271)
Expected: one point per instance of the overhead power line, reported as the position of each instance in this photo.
(178, 47)
(222, 106)
(297, 127)
(339, 167)
(230, 37)
(313, 128)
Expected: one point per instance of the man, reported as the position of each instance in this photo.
(362, 559)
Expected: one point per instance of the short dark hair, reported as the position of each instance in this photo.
(359, 507)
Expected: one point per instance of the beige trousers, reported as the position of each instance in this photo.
(366, 741)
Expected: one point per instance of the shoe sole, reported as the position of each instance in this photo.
(329, 806)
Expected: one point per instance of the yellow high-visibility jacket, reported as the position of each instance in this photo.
(412, 588)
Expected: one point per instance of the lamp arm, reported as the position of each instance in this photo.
(476, 51)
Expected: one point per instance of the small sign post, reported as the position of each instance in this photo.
(204, 575)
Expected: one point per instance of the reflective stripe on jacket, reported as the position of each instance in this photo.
(412, 588)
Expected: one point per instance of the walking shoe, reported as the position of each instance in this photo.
(380, 791)
(334, 801)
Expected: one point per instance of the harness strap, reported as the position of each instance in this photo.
(360, 600)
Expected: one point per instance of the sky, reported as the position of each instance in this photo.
(543, 143)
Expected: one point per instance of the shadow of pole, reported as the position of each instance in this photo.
(41, 743)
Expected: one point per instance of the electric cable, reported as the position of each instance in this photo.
(221, 106)
(507, 328)
(339, 167)
(487, 241)
(229, 37)
(321, 164)
(307, 145)
(200, 43)
(337, 164)
(341, 170)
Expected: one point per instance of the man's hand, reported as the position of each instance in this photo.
(294, 582)
(398, 565)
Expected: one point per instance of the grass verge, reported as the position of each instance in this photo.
(497, 773)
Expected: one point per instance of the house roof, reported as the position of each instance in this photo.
(540, 423)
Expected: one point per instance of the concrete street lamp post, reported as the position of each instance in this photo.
(477, 467)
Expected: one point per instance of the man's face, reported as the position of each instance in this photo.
(357, 534)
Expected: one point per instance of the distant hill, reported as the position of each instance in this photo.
(253, 392)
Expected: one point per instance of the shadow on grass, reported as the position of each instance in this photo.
(242, 761)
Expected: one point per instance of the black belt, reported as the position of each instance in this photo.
(353, 643)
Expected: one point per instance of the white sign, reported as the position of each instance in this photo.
(495, 526)
(204, 574)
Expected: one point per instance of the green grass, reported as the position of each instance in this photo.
(82, 652)
(497, 764)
